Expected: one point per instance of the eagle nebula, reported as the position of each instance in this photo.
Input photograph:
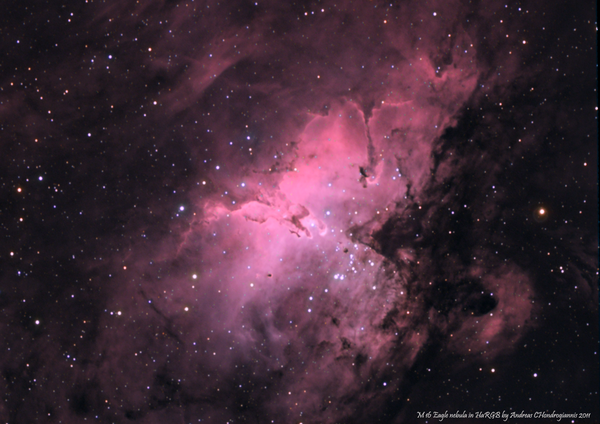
(351, 211)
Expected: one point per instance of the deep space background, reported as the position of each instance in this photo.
(297, 211)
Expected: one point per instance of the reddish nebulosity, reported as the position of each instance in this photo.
(290, 280)
(300, 259)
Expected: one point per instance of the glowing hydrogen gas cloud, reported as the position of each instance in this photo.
(297, 212)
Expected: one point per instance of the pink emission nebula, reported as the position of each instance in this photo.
(298, 212)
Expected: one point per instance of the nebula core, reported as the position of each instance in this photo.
(298, 212)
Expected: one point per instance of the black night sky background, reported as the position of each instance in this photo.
(340, 211)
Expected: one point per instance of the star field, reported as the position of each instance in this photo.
(298, 212)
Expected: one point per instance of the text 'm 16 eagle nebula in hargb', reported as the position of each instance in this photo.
(317, 212)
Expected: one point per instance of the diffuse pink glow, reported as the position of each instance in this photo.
(286, 212)
(283, 249)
